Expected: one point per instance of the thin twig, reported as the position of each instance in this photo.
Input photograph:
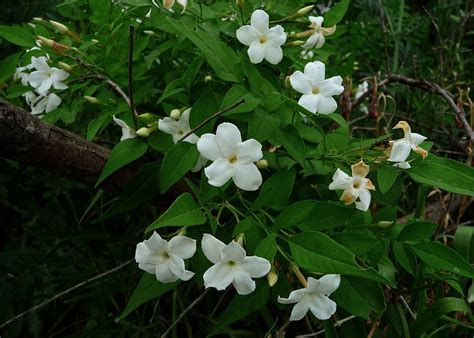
(428, 86)
(130, 75)
(216, 114)
(193, 304)
(405, 304)
(336, 324)
(59, 295)
(102, 77)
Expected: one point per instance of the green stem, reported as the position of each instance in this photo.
(420, 202)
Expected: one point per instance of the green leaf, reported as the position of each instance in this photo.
(17, 36)
(178, 160)
(217, 53)
(206, 105)
(405, 257)
(147, 289)
(183, 212)
(267, 248)
(290, 138)
(336, 13)
(314, 215)
(359, 296)
(95, 125)
(235, 93)
(276, 190)
(444, 173)
(386, 176)
(122, 154)
(262, 126)
(242, 306)
(315, 251)
(429, 318)
(464, 242)
(417, 231)
(358, 243)
(141, 189)
(441, 257)
(8, 66)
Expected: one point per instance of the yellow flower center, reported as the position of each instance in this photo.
(165, 255)
(263, 39)
(315, 90)
(180, 132)
(232, 159)
(231, 263)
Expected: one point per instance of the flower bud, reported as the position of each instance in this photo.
(92, 99)
(65, 66)
(32, 25)
(148, 118)
(272, 277)
(296, 43)
(148, 32)
(182, 232)
(301, 12)
(262, 164)
(384, 224)
(240, 239)
(143, 132)
(305, 10)
(175, 114)
(59, 27)
(207, 78)
(58, 47)
(94, 40)
(38, 19)
(240, 3)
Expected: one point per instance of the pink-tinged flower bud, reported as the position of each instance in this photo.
(59, 26)
(58, 47)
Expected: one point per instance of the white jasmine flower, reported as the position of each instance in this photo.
(22, 75)
(317, 92)
(362, 88)
(317, 32)
(45, 76)
(355, 187)
(166, 259)
(43, 104)
(179, 128)
(30, 98)
(231, 158)
(127, 132)
(231, 265)
(264, 43)
(314, 297)
(400, 149)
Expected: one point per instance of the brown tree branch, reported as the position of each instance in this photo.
(428, 86)
(30, 141)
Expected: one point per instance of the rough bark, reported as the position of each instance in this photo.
(30, 141)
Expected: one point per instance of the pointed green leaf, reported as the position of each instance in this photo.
(183, 212)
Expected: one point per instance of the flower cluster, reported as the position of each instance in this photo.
(231, 263)
(41, 78)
